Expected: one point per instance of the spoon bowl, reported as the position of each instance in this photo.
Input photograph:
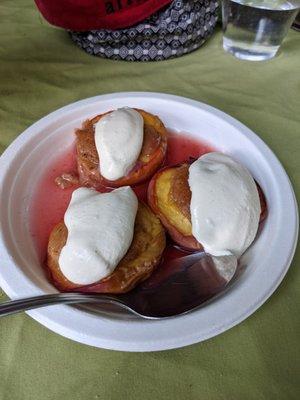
(177, 287)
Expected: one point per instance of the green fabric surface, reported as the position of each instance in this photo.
(42, 70)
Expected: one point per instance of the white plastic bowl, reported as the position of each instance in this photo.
(267, 260)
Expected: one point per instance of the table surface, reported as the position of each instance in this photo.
(42, 70)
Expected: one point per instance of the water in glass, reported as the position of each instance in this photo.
(254, 29)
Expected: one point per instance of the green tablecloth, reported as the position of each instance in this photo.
(41, 70)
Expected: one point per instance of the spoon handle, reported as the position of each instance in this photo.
(15, 306)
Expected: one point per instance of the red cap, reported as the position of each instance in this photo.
(84, 15)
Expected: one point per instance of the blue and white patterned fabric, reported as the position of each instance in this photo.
(179, 28)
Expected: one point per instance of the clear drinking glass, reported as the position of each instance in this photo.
(254, 29)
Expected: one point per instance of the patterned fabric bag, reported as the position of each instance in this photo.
(178, 29)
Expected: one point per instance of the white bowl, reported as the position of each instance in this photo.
(267, 260)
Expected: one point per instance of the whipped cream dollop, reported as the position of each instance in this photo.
(225, 206)
(119, 139)
(100, 231)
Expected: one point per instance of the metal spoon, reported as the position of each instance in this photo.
(175, 288)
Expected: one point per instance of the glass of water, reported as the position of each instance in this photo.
(254, 29)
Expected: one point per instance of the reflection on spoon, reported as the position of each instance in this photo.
(181, 285)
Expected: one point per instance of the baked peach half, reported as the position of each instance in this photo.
(150, 159)
(169, 197)
(142, 257)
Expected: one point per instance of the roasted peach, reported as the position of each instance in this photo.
(139, 262)
(169, 196)
(151, 157)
